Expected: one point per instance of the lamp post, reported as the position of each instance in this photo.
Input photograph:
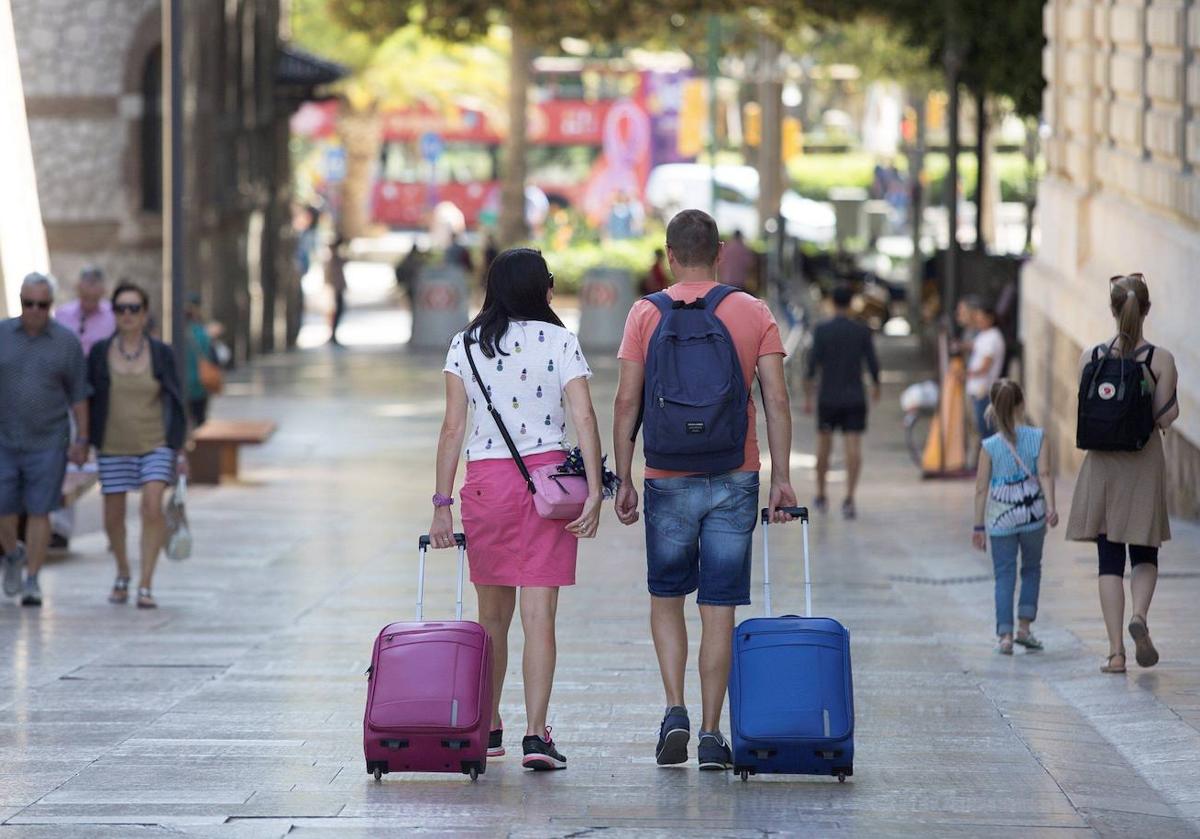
(714, 44)
(174, 325)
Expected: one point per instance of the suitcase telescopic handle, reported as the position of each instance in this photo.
(423, 543)
(802, 514)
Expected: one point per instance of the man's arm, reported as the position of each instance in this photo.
(625, 414)
(873, 365)
(810, 371)
(773, 383)
(78, 452)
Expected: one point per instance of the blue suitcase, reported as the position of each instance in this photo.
(791, 698)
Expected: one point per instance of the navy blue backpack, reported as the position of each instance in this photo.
(695, 400)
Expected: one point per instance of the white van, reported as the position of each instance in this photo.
(672, 187)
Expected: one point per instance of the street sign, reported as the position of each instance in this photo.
(431, 146)
(335, 164)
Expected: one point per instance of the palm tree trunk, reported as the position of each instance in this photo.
(512, 184)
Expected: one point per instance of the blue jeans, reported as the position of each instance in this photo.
(981, 424)
(1004, 561)
(699, 531)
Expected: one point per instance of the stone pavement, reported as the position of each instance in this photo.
(235, 709)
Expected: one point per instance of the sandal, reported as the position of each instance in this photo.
(1005, 647)
(145, 599)
(1146, 654)
(1108, 665)
(1029, 642)
(120, 591)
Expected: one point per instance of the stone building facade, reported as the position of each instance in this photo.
(1122, 194)
(92, 77)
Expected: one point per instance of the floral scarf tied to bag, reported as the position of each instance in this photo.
(1016, 504)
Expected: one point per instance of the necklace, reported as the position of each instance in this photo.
(136, 354)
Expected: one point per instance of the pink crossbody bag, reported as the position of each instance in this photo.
(557, 494)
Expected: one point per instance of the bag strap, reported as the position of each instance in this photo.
(487, 397)
(1019, 459)
(1170, 404)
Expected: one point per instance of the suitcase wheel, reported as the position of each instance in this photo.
(743, 772)
(379, 774)
(475, 774)
(841, 777)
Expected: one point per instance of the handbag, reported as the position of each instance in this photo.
(179, 535)
(1018, 502)
(558, 493)
(211, 377)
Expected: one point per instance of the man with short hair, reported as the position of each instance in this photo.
(89, 316)
(841, 347)
(42, 376)
(699, 521)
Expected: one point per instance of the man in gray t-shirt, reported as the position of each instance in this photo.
(42, 376)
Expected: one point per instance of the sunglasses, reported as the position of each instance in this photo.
(35, 304)
(1118, 277)
(551, 280)
(127, 308)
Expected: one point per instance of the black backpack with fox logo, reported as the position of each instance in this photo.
(1116, 401)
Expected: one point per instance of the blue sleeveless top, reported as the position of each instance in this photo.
(1005, 468)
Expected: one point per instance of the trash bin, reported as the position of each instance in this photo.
(605, 298)
(848, 202)
(877, 212)
(439, 307)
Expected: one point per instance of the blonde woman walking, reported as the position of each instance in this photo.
(1120, 500)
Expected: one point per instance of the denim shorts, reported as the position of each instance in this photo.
(699, 531)
(31, 482)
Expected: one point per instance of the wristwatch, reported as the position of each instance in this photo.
(440, 500)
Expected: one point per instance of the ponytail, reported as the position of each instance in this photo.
(1007, 399)
(1129, 301)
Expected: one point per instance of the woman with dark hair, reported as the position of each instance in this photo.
(532, 371)
(138, 425)
(1121, 496)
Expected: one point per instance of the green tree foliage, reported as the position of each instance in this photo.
(999, 44)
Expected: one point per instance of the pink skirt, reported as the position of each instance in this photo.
(508, 543)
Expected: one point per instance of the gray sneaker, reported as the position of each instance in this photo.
(713, 752)
(32, 595)
(13, 563)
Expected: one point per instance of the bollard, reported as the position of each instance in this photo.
(605, 298)
(848, 202)
(439, 306)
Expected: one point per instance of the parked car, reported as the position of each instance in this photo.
(672, 187)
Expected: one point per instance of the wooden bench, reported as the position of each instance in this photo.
(214, 455)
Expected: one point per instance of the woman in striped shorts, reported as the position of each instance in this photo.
(138, 427)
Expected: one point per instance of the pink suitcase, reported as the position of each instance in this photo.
(429, 691)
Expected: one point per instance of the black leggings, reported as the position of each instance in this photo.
(1112, 556)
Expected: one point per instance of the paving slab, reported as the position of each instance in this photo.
(235, 709)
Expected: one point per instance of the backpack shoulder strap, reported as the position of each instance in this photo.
(661, 300)
(713, 299)
(1148, 361)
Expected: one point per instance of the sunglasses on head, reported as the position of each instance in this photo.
(1119, 277)
(35, 304)
(127, 308)
(551, 280)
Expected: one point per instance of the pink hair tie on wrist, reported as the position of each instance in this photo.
(440, 500)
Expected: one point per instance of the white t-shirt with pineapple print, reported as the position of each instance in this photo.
(526, 386)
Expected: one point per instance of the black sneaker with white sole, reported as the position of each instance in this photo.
(673, 736)
(495, 742)
(540, 753)
(713, 752)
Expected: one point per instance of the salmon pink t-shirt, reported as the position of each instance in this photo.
(754, 334)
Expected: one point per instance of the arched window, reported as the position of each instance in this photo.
(152, 136)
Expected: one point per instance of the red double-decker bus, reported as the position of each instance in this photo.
(595, 128)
